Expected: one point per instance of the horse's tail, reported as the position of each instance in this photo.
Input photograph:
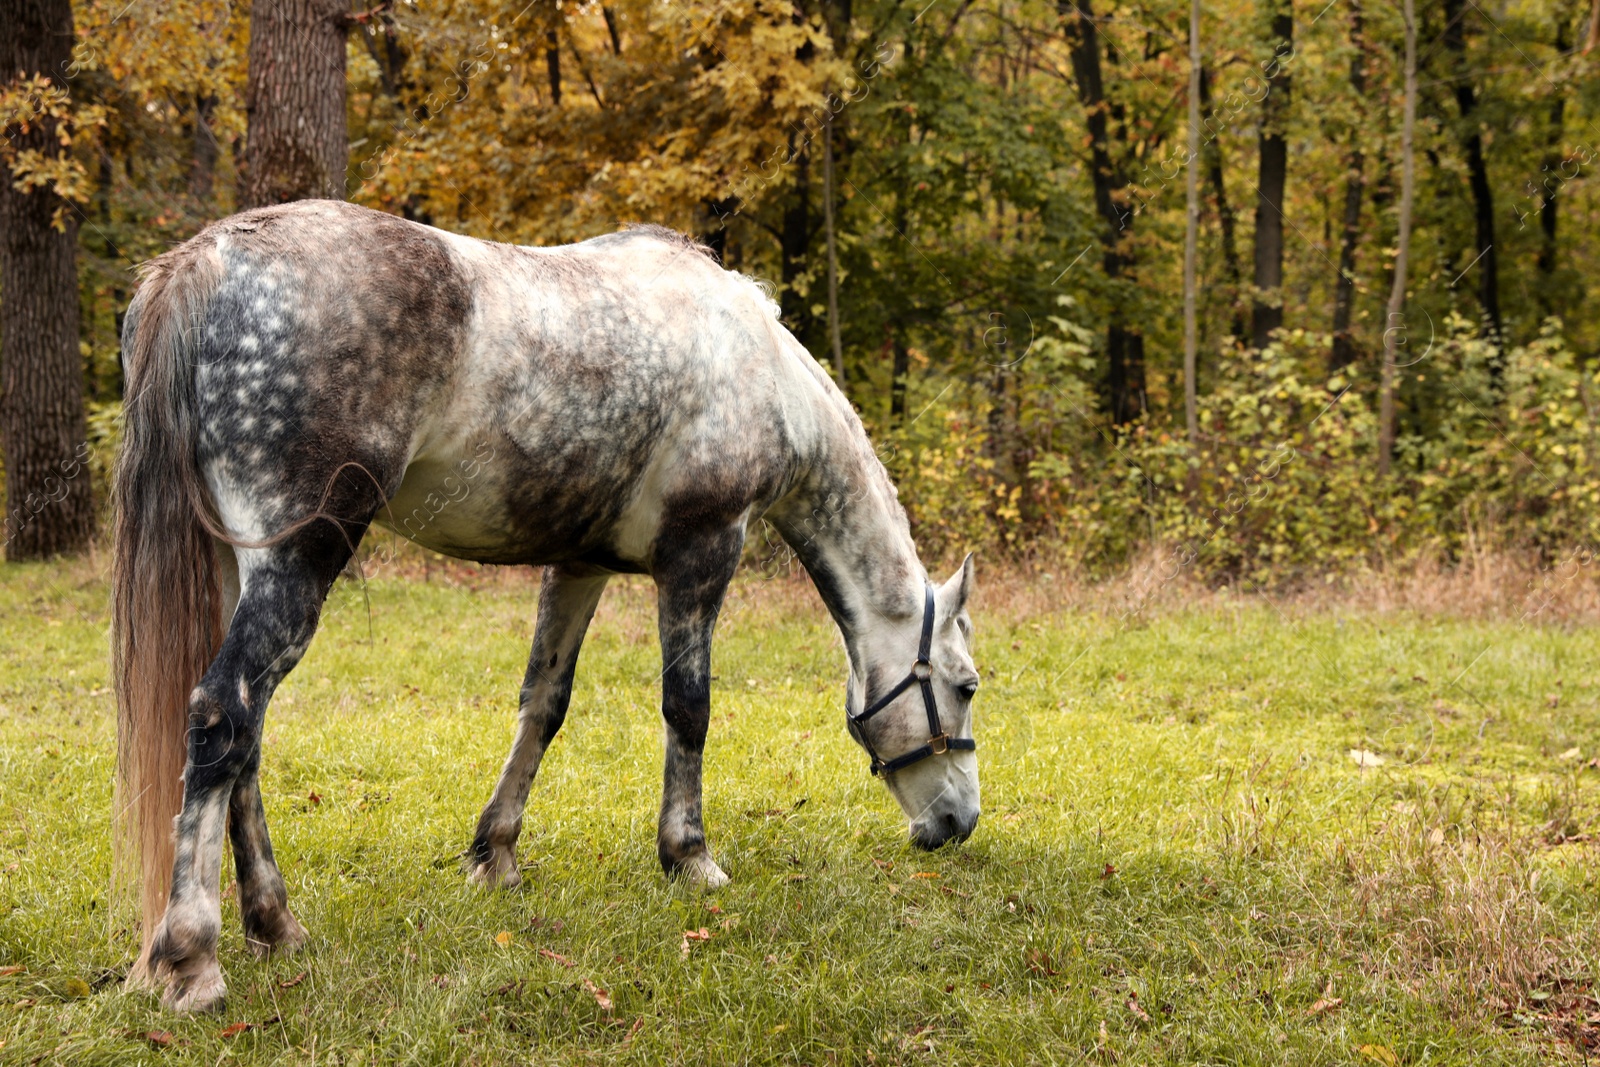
(166, 603)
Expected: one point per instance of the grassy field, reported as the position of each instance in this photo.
(1214, 834)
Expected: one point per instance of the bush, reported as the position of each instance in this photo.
(1282, 478)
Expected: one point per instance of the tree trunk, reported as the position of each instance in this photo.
(834, 341)
(611, 28)
(48, 509)
(1549, 303)
(298, 147)
(1191, 235)
(900, 371)
(1225, 218)
(552, 63)
(1486, 264)
(1547, 204)
(203, 165)
(1394, 325)
(1125, 383)
(795, 245)
(1344, 345)
(1273, 169)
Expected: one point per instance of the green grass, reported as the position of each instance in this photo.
(1178, 856)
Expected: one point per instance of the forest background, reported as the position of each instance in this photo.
(973, 212)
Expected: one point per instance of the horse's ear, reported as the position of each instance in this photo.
(954, 593)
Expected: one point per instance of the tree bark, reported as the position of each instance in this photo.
(1548, 300)
(1344, 345)
(42, 431)
(1273, 172)
(298, 147)
(1125, 380)
(552, 63)
(1486, 265)
(1226, 223)
(1191, 235)
(899, 327)
(795, 244)
(834, 341)
(1394, 325)
(203, 164)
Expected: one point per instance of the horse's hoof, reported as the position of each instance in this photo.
(200, 991)
(498, 872)
(701, 871)
(287, 936)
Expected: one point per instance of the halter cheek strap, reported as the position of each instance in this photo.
(921, 675)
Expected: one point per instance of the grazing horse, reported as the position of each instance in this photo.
(623, 405)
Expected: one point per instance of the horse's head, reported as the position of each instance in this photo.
(912, 711)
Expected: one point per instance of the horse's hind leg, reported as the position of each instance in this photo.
(567, 599)
(692, 573)
(263, 898)
(280, 597)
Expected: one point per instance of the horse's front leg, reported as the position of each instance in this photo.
(567, 599)
(692, 574)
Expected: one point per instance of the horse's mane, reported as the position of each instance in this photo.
(669, 236)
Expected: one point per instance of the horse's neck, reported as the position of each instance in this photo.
(849, 531)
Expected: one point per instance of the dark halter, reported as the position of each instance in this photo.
(921, 674)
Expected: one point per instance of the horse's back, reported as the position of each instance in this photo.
(506, 404)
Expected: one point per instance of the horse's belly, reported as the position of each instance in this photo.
(493, 506)
(448, 506)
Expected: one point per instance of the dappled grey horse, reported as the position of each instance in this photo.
(623, 405)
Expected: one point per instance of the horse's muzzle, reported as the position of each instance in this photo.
(936, 829)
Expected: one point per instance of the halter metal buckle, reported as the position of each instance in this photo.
(922, 670)
(940, 743)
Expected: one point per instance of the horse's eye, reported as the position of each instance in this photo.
(967, 690)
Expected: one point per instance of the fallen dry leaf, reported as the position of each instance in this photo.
(1111, 868)
(1133, 1006)
(290, 983)
(159, 1038)
(1041, 963)
(600, 996)
(701, 934)
(1571, 753)
(1364, 758)
(503, 938)
(558, 957)
(926, 874)
(1381, 1053)
(236, 1029)
(15, 968)
(1325, 1005)
(314, 798)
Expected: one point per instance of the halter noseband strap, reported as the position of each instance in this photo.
(921, 674)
